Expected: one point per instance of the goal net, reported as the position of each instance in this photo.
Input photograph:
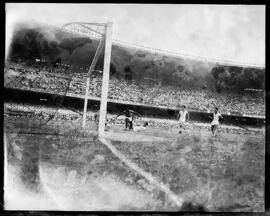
(102, 33)
(59, 63)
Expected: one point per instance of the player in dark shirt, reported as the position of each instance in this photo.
(129, 114)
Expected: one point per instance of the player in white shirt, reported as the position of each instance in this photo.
(215, 121)
(182, 116)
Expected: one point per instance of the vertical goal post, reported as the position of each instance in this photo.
(103, 32)
(97, 54)
(105, 79)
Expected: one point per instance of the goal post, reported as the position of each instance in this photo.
(92, 66)
(105, 79)
(101, 32)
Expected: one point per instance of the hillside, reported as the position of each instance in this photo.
(34, 41)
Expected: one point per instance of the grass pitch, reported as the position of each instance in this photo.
(221, 174)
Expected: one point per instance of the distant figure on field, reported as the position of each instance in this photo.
(129, 114)
(182, 116)
(96, 119)
(215, 121)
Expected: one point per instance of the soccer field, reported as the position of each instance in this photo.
(222, 173)
(225, 173)
(152, 108)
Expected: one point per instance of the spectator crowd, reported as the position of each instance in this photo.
(64, 80)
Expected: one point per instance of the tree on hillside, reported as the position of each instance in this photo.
(253, 78)
(31, 44)
(216, 71)
(128, 73)
(237, 78)
(113, 69)
(71, 44)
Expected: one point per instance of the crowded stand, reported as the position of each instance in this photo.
(63, 80)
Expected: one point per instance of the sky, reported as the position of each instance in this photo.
(226, 32)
